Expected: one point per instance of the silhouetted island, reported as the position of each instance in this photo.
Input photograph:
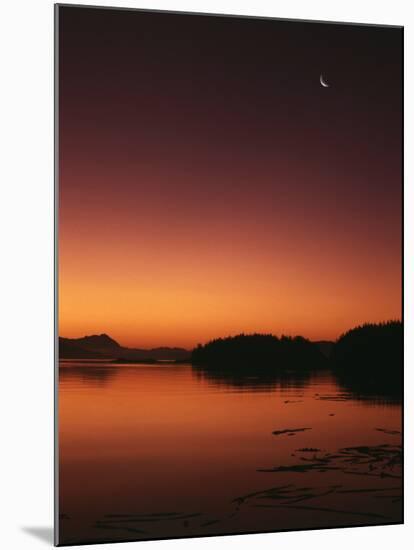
(368, 359)
(260, 352)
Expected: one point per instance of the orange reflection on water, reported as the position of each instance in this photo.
(166, 439)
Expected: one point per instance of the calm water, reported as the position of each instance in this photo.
(166, 451)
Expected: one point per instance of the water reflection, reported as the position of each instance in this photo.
(91, 374)
(150, 451)
(265, 380)
(371, 387)
(361, 387)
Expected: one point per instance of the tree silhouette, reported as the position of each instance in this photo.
(259, 351)
(368, 359)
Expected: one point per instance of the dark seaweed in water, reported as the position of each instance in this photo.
(382, 461)
(379, 460)
(290, 431)
(389, 432)
(308, 450)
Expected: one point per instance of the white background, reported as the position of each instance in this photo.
(26, 270)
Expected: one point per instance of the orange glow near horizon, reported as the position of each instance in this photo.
(151, 280)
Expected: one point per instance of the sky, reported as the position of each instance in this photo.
(209, 185)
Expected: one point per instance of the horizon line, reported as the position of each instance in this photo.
(188, 348)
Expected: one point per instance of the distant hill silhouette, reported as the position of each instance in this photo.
(97, 346)
(368, 359)
(259, 352)
(102, 346)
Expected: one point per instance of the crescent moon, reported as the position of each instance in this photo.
(323, 82)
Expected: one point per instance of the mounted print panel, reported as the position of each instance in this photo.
(229, 272)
